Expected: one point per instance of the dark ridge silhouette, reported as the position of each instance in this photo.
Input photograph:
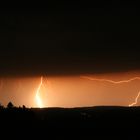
(81, 117)
(94, 120)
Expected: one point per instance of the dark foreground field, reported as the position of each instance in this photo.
(111, 120)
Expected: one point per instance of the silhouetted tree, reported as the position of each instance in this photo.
(19, 107)
(24, 107)
(1, 106)
(10, 105)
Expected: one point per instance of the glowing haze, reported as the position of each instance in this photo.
(121, 89)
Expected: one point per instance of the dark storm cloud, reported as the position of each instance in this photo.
(70, 38)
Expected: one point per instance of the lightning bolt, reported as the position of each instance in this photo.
(111, 81)
(136, 100)
(116, 82)
(37, 97)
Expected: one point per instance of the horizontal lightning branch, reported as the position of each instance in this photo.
(116, 82)
(110, 81)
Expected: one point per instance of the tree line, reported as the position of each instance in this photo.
(10, 105)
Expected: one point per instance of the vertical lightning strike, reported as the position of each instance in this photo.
(136, 100)
(116, 82)
(37, 97)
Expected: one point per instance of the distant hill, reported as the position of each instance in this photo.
(88, 117)
(99, 118)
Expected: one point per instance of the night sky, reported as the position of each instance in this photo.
(66, 38)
